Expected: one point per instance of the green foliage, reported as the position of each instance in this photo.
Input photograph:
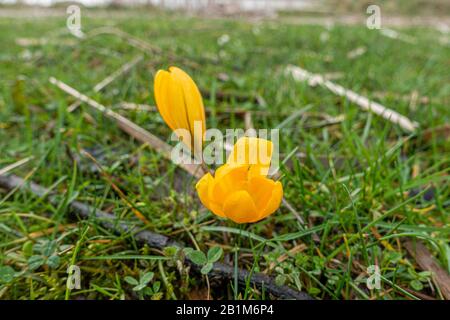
(346, 232)
(47, 255)
(206, 261)
(143, 287)
(6, 274)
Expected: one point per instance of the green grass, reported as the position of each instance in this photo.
(350, 204)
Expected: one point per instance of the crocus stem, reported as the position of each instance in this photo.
(236, 270)
(204, 166)
(236, 262)
(207, 169)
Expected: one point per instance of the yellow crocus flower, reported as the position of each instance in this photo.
(180, 103)
(239, 190)
(253, 151)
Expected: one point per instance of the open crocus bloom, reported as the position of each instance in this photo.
(241, 191)
(180, 103)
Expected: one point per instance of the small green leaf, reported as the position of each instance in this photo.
(6, 274)
(48, 248)
(206, 268)
(301, 259)
(131, 280)
(139, 287)
(416, 285)
(187, 251)
(35, 262)
(53, 261)
(280, 280)
(214, 254)
(148, 291)
(424, 275)
(146, 278)
(27, 249)
(314, 291)
(197, 257)
(170, 251)
(156, 286)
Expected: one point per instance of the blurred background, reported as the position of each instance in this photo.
(438, 7)
(238, 53)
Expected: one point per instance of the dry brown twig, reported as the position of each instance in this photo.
(390, 33)
(30, 42)
(148, 108)
(402, 97)
(327, 119)
(137, 43)
(248, 120)
(312, 79)
(132, 40)
(426, 262)
(109, 79)
(14, 165)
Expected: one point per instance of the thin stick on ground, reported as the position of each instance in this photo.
(398, 36)
(248, 120)
(131, 128)
(426, 262)
(15, 165)
(29, 42)
(220, 271)
(137, 43)
(113, 76)
(132, 40)
(148, 108)
(401, 97)
(300, 74)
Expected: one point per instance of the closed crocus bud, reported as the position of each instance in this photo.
(241, 191)
(180, 104)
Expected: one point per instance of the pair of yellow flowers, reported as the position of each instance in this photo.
(240, 189)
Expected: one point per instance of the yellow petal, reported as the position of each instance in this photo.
(202, 188)
(193, 100)
(161, 87)
(216, 209)
(177, 104)
(261, 189)
(275, 200)
(226, 168)
(252, 151)
(181, 106)
(240, 208)
(258, 170)
(229, 179)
